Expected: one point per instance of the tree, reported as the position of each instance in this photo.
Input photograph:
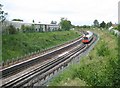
(103, 24)
(11, 29)
(33, 21)
(109, 24)
(53, 22)
(85, 26)
(2, 14)
(23, 28)
(17, 20)
(77, 26)
(119, 27)
(65, 24)
(32, 27)
(96, 23)
(28, 28)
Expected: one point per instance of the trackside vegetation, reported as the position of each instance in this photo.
(16, 45)
(100, 68)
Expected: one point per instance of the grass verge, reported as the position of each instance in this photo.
(20, 44)
(99, 68)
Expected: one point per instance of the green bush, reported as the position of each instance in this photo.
(24, 43)
(104, 67)
(119, 27)
(103, 50)
(11, 29)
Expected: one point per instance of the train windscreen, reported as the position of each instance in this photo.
(85, 38)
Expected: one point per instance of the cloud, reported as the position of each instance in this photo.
(78, 11)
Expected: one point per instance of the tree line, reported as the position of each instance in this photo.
(105, 25)
(102, 24)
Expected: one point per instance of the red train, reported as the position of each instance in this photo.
(87, 37)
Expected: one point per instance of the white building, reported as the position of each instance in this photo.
(38, 26)
(46, 27)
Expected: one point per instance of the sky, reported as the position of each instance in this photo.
(79, 12)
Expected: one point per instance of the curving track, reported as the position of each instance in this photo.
(50, 67)
(16, 68)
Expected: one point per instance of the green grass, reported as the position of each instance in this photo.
(66, 78)
(99, 68)
(20, 44)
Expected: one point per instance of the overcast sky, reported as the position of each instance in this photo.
(79, 12)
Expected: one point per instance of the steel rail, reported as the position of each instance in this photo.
(42, 69)
(22, 80)
(6, 72)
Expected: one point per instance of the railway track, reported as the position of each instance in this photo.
(22, 59)
(41, 72)
(16, 68)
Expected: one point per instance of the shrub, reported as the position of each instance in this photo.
(11, 29)
(119, 27)
(103, 50)
(25, 43)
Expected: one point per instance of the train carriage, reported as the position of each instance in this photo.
(87, 37)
